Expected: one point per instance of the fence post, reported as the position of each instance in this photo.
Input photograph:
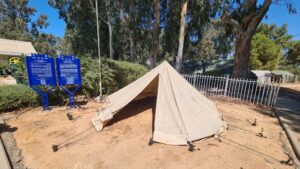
(194, 81)
(226, 85)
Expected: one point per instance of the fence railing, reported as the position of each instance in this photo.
(224, 87)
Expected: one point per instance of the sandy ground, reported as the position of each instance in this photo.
(124, 143)
(295, 86)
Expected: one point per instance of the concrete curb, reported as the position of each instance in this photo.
(292, 139)
(4, 163)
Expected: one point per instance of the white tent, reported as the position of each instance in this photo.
(182, 114)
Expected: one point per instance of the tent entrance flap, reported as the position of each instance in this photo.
(103, 117)
(150, 90)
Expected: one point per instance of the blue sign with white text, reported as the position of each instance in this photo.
(40, 70)
(68, 70)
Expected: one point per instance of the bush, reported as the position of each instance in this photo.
(90, 76)
(291, 68)
(115, 75)
(17, 96)
(125, 72)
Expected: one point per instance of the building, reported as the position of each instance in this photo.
(262, 76)
(284, 76)
(14, 48)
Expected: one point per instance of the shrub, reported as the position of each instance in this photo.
(90, 77)
(115, 75)
(17, 96)
(291, 68)
(125, 72)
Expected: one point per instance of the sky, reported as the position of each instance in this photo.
(56, 25)
(276, 14)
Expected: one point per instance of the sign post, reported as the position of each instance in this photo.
(41, 72)
(68, 73)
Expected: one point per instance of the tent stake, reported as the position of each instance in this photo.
(151, 141)
(191, 146)
(70, 116)
(55, 148)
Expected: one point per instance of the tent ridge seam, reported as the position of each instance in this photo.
(178, 106)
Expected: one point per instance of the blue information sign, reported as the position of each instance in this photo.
(40, 70)
(68, 70)
(68, 73)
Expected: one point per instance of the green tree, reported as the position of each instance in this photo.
(15, 16)
(293, 54)
(265, 53)
(277, 34)
(244, 16)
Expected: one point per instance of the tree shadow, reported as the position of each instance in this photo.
(289, 110)
(7, 128)
(289, 93)
(135, 108)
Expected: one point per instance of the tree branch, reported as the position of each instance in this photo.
(103, 20)
(229, 20)
(92, 5)
(262, 12)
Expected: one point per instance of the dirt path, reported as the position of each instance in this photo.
(124, 144)
(288, 108)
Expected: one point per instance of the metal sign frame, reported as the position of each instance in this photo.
(41, 72)
(69, 73)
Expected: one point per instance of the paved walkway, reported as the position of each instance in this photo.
(4, 164)
(288, 111)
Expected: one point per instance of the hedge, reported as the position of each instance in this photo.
(115, 75)
(17, 96)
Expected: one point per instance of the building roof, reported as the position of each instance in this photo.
(15, 47)
(282, 73)
(260, 73)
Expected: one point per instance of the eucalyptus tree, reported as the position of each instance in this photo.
(15, 18)
(244, 16)
(155, 34)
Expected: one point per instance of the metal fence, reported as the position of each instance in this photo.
(224, 87)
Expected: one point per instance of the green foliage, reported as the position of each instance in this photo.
(91, 75)
(19, 71)
(115, 75)
(277, 34)
(214, 43)
(3, 68)
(125, 72)
(291, 68)
(293, 54)
(17, 96)
(132, 24)
(265, 53)
(15, 16)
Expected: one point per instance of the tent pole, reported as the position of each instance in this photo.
(99, 56)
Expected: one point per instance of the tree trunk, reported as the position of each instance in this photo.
(111, 49)
(155, 36)
(181, 37)
(203, 66)
(125, 19)
(132, 46)
(242, 55)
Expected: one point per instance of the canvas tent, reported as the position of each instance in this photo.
(182, 114)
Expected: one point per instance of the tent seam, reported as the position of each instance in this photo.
(178, 106)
